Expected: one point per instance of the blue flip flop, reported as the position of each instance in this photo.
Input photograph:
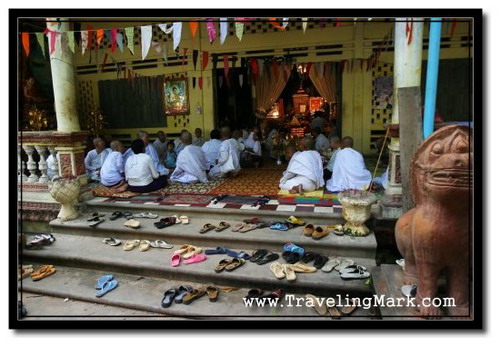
(292, 247)
(235, 254)
(218, 250)
(279, 226)
(109, 286)
(102, 281)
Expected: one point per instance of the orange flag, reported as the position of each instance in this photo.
(193, 26)
(100, 35)
(26, 43)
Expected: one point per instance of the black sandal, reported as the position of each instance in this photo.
(258, 255)
(115, 215)
(268, 258)
(168, 297)
(291, 257)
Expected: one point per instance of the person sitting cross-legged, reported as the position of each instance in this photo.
(335, 146)
(228, 161)
(149, 150)
(305, 169)
(140, 171)
(211, 148)
(191, 164)
(95, 158)
(113, 169)
(349, 170)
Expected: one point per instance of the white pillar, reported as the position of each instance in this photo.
(21, 166)
(32, 166)
(63, 78)
(42, 164)
(407, 73)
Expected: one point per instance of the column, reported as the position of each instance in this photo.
(42, 164)
(63, 78)
(31, 163)
(407, 73)
(21, 166)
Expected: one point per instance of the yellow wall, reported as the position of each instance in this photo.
(357, 41)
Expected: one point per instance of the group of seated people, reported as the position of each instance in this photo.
(147, 167)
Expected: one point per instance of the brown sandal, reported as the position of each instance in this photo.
(234, 264)
(43, 272)
(222, 264)
(213, 293)
(193, 295)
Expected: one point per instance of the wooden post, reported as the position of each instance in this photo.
(410, 132)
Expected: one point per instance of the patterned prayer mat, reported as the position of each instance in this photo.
(186, 199)
(103, 191)
(252, 181)
(195, 188)
(242, 200)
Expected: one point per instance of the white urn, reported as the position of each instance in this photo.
(356, 210)
(66, 192)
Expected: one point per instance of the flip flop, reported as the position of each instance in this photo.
(290, 257)
(234, 264)
(293, 248)
(212, 292)
(222, 264)
(161, 244)
(192, 251)
(182, 291)
(253, 221)
(222, 226)
(115, 215)
(279, 226)
(207, 227)
(96, 222)
(102, 281)
(193, 295)
(132, 223)
(348, 309)
(289, 273)
(184, 219)
(144, 245)
(43, 272)
(295, 221)
(148, 215)
(127, 215)
(320, 261)
(168, 297)
(238, 226)
(409, 290)
(175, 260)
(234, 254)
(111, 241)
(308, 256)
(248, 227)
(277, 294)
(183, 249)
(108, 286)
(322, 309)
(131, 244)
(26, 271)
(195, 258)
(277, 270)
(254, 293)
(358, 274)
(299, 267)
(258, 254)
(95, 216)
(337, 229)
(344, 262)
(352, 268)
(165, 222)
(267, 258)
(331, 264)
(218, 250)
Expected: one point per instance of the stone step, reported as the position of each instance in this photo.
(88, 252)
(144, 294)
(347, 246)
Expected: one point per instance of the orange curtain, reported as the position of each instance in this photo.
(268, 88)
(324, 81)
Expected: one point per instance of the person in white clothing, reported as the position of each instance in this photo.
(151, 151)
(113, 169)
(192, 165)
(238, 136)
(179, 146)
(228, 161)
(197, 138)
(349, 170)
(321, 141)
(211, 148)
(160, 144)
(140, 171)
(305, 169)
(95, 158)
(335, 146)
(252, 156)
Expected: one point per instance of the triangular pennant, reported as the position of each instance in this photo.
(70, 35)
(25, 38)
(41, 41)
(193, 26)
(223, 30)
(107, 33)
(119, 41)
(163, 27)
(114, 32)
(177, 28)
(184, 56)
(211, 30)
(85, 41)
(99, 36)
(129, 33)
(146, 36)
(204, 62)
(239, 27)
(195, 58)
(240, 77)
(226, 65)
(304, 24)
(90, 29)
(200, 82)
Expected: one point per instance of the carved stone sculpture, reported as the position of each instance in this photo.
(435, 236)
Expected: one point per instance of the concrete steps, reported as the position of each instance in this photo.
(144, 294)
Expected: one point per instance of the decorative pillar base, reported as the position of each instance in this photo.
(391, 202)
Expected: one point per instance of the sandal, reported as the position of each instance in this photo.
(193, 295)
(132, 223)
(184, 219)
(161, 244)
(299, 267)
(43, 272)
(115, 215)
(357, 274)
(291, 257)
(102, 281)
(165, 222)
(344, 263)
(238, 226)
(277, 270)
(195, 258)
(26, 271)
(295, 221)
(207, 227)
(277, 294)
(108, 286)
(212, 292)
(192, 251)
(320, 261)
(248, 227)
(254, 293)
(320, 307)
(352, 268)
(222, 264)
(294, 248)
(182, 291)
(95, 216)
(127, 215)
(309, 230)
(319, 233)
(331, 264)
(337, 229)
(218, 250)
(131, 244)
(308, 256)
(175, 260)
(222, 226)
(348, 309)
(168, 297)
(96, 222)
(279, 226)
(234, 264)
(289, 273)
(234, 254)
(183, 249)
(111, 241)
(258, 254)
(148, 215)
(144, 245)
(267, 258)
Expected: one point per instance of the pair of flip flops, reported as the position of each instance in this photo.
(131, 244)
(132, 223)
(105, 284)
(165, 222)
(336, 264)
(277, 294)
(175, 294)
(95, 219)
(262, 256)
(354, 272)
(175, 261)
(229, 252)
(319, 260)
(119, 214)
(147, 215)
(229, 264)
(42, 272)
(292, 247)
(40, 240)
(244, 227)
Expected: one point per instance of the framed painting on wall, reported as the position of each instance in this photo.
(176, 97)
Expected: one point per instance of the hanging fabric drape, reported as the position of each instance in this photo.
(324, 80)
(268, 89)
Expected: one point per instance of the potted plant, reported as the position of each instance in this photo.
(66, 192)
(356, 209)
